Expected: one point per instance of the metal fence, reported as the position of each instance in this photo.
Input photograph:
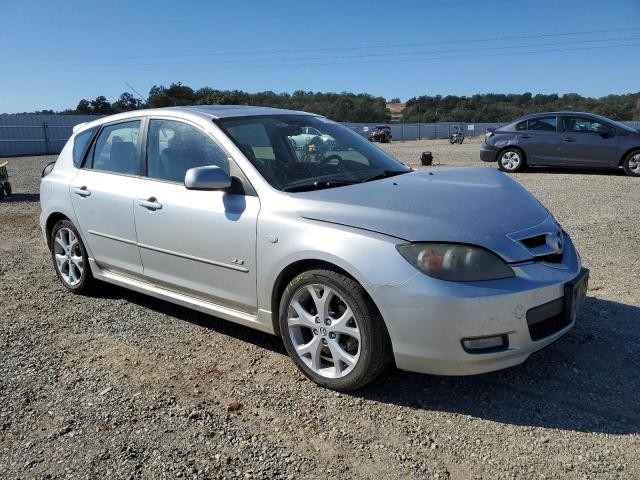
(26, 134)
(30, 134)
(424, 131)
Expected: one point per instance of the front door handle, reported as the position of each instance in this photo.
(150, 203)
(525, 136)
(82, 191)
(569, 139)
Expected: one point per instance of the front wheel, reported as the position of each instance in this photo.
(7, 188)
(70, 257)
(631, 164)
(332, 330)
(452, 140)
(511, 160)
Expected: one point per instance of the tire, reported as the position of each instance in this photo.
(7, 188)
(1, 194)
(303, 328)
(460, 140)
(78, 277)
(631, 164)
(452, 140)
(511, 160)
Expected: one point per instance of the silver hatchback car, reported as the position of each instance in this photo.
(357, 261)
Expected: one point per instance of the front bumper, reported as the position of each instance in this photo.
(488, 153)
(428, 318)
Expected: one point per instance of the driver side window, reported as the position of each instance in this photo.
(586, 125)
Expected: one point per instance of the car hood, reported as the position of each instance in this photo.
(478, 206)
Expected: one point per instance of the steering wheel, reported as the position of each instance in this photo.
(332, 159)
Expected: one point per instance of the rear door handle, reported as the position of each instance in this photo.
(569, 139)
(150, 203)
(82, 191)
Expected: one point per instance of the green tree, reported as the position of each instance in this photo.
(127, 102)
(84, 107)
(101, 106)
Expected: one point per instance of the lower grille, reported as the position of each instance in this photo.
(547, 319)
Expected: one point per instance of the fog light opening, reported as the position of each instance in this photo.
(493, 343)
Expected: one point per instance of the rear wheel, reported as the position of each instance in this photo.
(332, 331)
(70, 257)
(7, 188)
(511, 160)
(631, 164)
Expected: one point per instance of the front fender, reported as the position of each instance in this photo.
(369, 257)
(509, 142)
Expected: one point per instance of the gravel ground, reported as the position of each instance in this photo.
(122, 385)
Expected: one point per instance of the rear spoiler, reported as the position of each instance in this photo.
(78, 126)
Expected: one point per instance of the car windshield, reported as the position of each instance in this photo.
(297, 153)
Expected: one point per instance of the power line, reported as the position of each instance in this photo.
(414, 54)
(357, 47)
(418, 59)
(134, 90)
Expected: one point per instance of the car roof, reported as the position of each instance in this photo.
(226, 111)
(207, 111)
(546, 114)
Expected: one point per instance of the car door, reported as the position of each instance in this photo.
(199, 243)
(101, 195)
(589, 142)
(540, 140)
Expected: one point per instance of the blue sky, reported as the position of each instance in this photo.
(55, 53)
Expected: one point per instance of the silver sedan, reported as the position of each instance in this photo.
(355, 260)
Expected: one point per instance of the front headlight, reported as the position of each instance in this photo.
(456, 263)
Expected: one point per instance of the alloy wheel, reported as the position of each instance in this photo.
(324, 331)
(634, 164)
(510, 160)
(68, 256)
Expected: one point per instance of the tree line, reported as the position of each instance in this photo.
(351, 107)
(342, 107)
(494, 107)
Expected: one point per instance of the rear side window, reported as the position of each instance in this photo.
(80, 145)
(175, 147)
(544, 124)
(116, 149)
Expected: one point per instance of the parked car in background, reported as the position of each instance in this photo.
(563, 139)
(355, 260)
(381, 134)
(308, 136)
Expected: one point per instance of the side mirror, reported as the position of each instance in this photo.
(605, 132)
(47, 169)
(207, 178)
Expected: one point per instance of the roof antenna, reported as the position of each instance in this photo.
(135, 91)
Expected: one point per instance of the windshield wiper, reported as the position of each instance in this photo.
(385, 174)
(318, 185)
